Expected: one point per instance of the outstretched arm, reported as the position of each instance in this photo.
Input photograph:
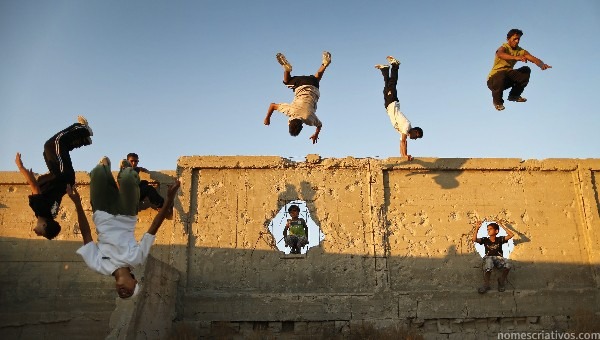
(404, 148)
(501, 53)
(272, 108)
(84, 225)
(28, 174)
(162, 213)
(537, 61)
(315, 136)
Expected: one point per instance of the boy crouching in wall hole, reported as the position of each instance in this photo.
(493, 255)
(295, 232)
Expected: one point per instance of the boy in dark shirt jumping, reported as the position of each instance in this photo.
(493, 255)
(48, 190)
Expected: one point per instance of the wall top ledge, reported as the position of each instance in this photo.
(315, 161)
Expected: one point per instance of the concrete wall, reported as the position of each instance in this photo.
(397, 251)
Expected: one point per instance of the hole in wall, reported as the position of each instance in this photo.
(277, 224)
(507, 248)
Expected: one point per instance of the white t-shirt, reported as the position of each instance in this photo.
(116, 247)
(399, 121)
(303, 106)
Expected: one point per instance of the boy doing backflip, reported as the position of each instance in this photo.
(298, 230)
(502, 76)
(493, 255)
(115, 209)
(48, 190)
(392, 106)
(306, 95)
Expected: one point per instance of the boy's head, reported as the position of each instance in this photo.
(513, 32)
(415, 133)
(46, 227)
(493, 229)
(295, 126)
(513, 37)
(125, 283)
(294, 210)
(133, 159)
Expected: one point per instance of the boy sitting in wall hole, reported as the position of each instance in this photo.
(298, 230)
(493, 254)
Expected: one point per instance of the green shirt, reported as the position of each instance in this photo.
(506, 65)
(297, 227)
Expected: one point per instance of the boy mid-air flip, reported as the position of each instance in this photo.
(502, 76)
(47, 191)
(306, 95)
(392, 106)
(115, 209)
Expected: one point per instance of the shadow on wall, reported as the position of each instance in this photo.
(446, 179)
(47, 289)
(306, 193)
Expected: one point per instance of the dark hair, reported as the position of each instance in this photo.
(132, 154)
(494, 225)
(513, 32)
(52, 229)
(419, 130)
(295, 127)
(293, 207)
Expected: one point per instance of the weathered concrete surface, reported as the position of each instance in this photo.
(397, 248)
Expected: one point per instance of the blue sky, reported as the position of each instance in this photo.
(172, 78)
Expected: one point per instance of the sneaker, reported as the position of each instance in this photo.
(283, 62)
(326, 58)
(518, 100)
(83, 121)
(105, 161)
(381, 67)
(499, 107)
(393, 60)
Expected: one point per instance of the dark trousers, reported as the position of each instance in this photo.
(146, 190)
(57, 148)
(516, 80)
(390, 77)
